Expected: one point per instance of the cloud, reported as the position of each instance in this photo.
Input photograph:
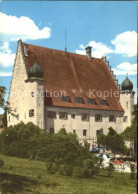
(6, 59)
(126, 43)
(14, 28)
(99, 49)
(124, 68)
(5, 74)
(4, 47)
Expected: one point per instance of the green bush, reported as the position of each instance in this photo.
(1, 162)
(51, 168)
(110, 169)
(62, 169)
(61, 151)
(132, 167)
(77, 172)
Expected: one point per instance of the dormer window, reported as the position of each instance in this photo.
(91, 101)
(103, 102)
(65, 98)
(78, 100)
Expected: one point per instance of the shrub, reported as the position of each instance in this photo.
(77, 172)
(62, 169)
(110, 169)
(69, 170)
(132, 167)
(1, 162)
(51, 168)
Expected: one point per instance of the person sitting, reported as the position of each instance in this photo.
(116, 162)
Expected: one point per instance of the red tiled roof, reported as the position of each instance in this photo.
(64, 71)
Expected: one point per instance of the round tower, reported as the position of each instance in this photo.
(36, 105)
(127, 101)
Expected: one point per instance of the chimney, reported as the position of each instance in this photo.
(104, 59)
(88, 52)
(26, 50)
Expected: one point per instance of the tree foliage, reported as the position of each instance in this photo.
(112, 140)
(2, 93)
(130, 133)
(61, 151)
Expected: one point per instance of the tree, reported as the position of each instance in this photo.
(112, 141)
(2, 94)
(130, 133)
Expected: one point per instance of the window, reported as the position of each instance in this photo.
(32, 94)
(112, 118)
(85, 117)
(17, 117)
(80, 144)
(9, 118)
(63, 115)
(84, 132)
(125, 119)
(126, 104)
(74, 131)
(51, 130)
(98, 118)
(51, 114)
(65, 99)
(31, 113)
(73, 116)
(91, 101)
(103, 102)
(98, 132)
(78, 100)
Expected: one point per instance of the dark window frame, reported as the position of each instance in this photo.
(65, 99)
(112, 118)
(32, 94)
(99, 131)
(91, 101)
(31, 113)
(125, 119)
(85, 117)
(84, 132)
(98, 118)
(103, 102)
(78, 100)
(51, 115)
(73, 116)
(61, 115)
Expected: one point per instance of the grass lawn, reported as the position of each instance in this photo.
(29, 176)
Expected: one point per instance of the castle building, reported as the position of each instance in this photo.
(56, 89)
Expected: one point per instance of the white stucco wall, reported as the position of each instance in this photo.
(77, 124)
(127, 102)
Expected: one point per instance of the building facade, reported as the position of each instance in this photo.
(56, 89)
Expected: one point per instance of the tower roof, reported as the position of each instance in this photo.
(35, 71)
(127, 84)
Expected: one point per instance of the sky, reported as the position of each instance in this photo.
(108, 26)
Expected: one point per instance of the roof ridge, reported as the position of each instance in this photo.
(60, 50)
